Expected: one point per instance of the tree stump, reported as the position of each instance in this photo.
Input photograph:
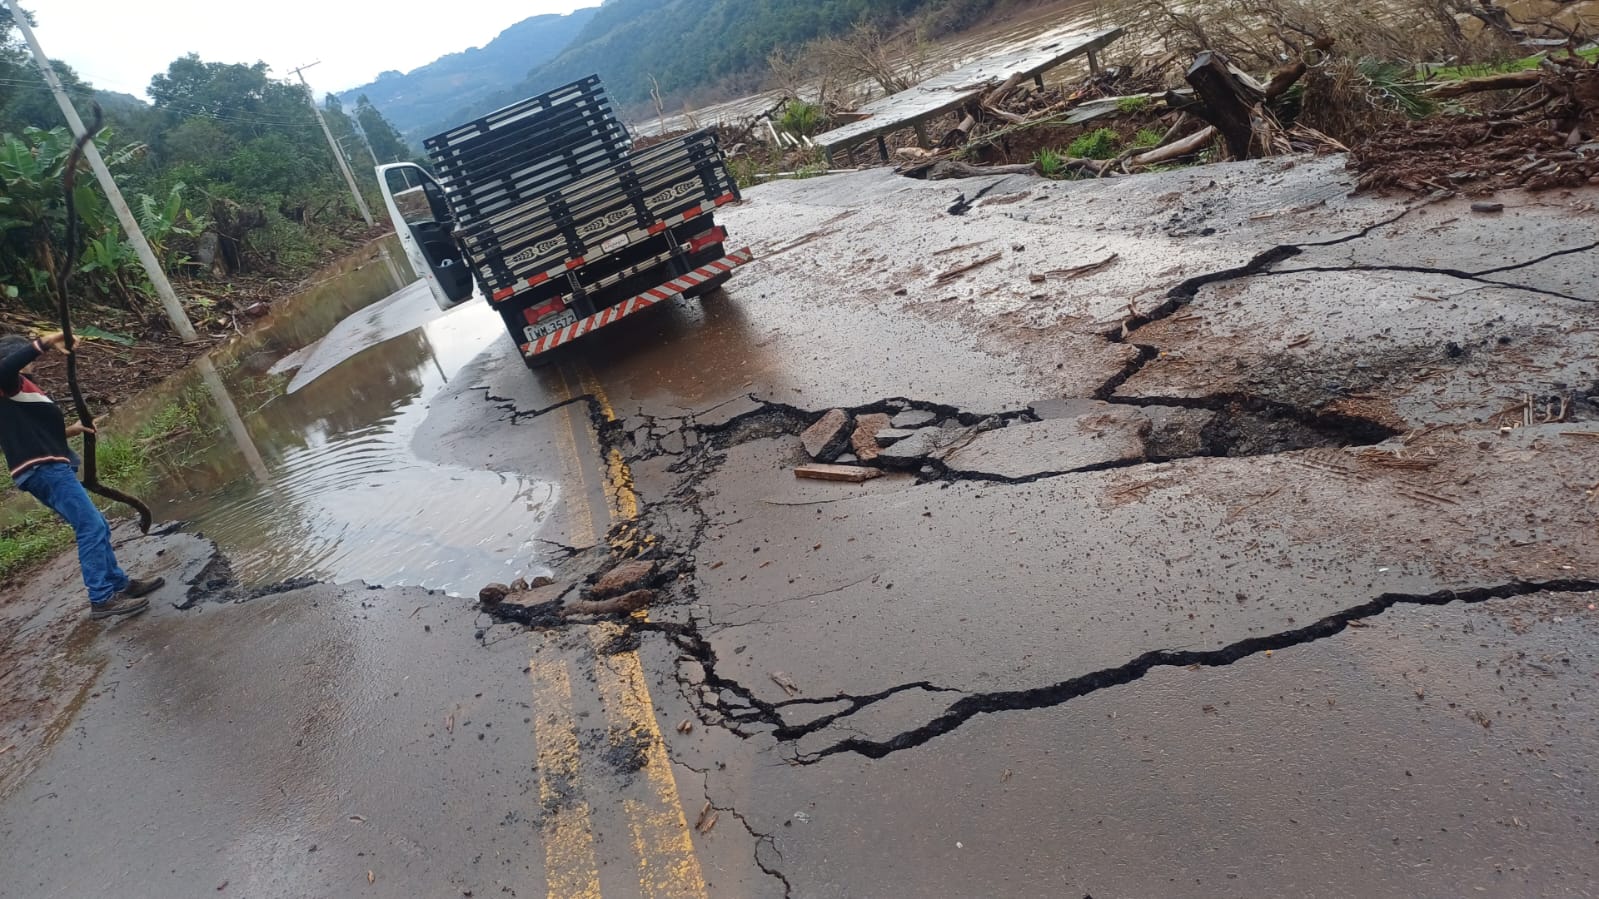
(1225, 103)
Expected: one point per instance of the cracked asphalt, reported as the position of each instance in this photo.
(1248, 547)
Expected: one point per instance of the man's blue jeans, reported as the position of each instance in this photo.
(56, 485)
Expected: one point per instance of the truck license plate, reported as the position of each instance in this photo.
(551, 325)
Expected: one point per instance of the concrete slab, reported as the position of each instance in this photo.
(1109, 435)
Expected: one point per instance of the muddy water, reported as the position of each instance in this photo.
(291, 447)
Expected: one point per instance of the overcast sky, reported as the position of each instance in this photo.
(119, 44)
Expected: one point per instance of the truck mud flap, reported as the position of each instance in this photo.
(651, 297)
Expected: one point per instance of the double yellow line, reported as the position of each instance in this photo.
(658, 830)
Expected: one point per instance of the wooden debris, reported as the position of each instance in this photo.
(948, 169)
(954, 273)
(1082, 271)
(1177, 149)
(957, 248)
(786, 682)
(1508, 81)
(853, 474)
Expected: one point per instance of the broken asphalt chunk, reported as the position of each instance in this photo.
(826, 439)
(849, 473)
(624, 578)
(1106, 435)
(915, 447)
(911, 419)
(864, 440)
(626, 604)
(493, 594)
(891, 436)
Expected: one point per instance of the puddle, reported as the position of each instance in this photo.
(291, 447)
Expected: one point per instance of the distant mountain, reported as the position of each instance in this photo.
(418, 100)
(689, 44)
(113, 102)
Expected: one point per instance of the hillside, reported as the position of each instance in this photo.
(430, 95)
(688, 44)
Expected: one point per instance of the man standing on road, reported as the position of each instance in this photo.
(34, 435)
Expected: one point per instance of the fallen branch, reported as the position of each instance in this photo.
(954, 273)
(1505, 82)
(1284, 79)
(951, 168)
(1080, 271)
(1177, 149)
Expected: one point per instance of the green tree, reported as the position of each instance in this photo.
(384, 138)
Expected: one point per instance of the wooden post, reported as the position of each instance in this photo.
(1093, 62)
(922, 140)
(882, 148)
(1224, 102)
(1039, 80)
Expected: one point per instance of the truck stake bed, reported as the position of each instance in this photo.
(548, 211)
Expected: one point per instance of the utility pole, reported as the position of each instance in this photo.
(338, 156)
(356, 121)
(130, 225)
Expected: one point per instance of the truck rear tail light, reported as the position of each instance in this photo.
(714, 236)
(534, 313)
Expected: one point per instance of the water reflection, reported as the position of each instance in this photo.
(321, 481)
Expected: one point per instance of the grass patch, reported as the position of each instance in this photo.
(1101, 143)
(123, 463)
(1505, 67)
(37, 537)
(749, 170)
(801, 119)
(1147, 138)
(1049, 162)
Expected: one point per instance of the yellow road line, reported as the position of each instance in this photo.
(568, 833)
(618, 477)
(668, 867)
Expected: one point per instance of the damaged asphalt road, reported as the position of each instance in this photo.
(1260, 558)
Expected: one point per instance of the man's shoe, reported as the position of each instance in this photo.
(137, 588)
(118, 605)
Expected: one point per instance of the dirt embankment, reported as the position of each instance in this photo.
(145, 353)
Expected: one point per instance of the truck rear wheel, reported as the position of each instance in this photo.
(545, 359)
(709, 287)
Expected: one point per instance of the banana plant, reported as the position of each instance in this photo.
(32, 217)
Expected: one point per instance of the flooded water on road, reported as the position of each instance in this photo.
(291, 448)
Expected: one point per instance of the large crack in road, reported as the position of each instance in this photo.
(699, 450)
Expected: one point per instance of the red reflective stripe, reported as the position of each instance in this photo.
(634, 304)
(725, 199)
(574, 263)
(503, 292)
(657, 228)
(538, 279)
